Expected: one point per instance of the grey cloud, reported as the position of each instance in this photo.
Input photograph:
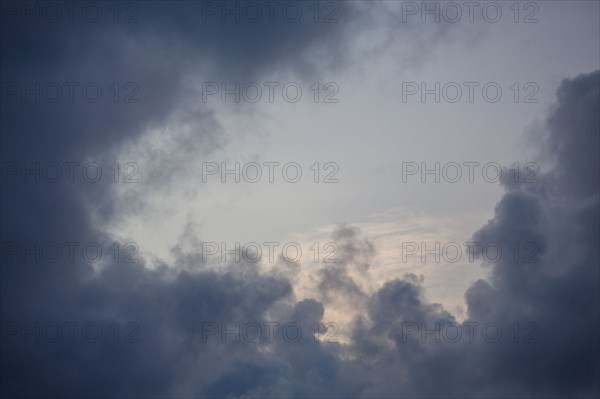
(559, 293)
(161, 53)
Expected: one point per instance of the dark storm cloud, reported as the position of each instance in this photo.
(161, 53)
(559, 294)
(169, 310)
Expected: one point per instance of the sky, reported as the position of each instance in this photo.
(298, 199)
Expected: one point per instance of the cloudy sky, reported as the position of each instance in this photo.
(370, 199)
